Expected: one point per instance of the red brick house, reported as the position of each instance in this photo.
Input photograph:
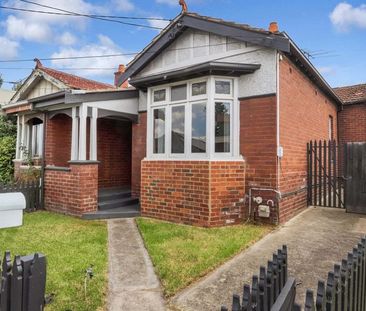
(352, 118)
(218, 113)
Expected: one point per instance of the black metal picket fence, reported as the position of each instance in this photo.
(23, 283)
(345, 288)
(272, 290)
(30, 189)
(325, 183)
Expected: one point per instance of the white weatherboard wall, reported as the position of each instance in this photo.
(196, 47)
(11, 209)
(44, 87)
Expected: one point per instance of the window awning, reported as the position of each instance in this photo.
(209, 68)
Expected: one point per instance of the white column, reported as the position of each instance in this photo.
(19, 135)
(23, 139)
(74, 136)
(93, 134)
(83, 114)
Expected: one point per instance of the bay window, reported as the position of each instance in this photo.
(195, 119)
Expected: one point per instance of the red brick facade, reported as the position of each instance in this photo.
(304, 116)
(138, 152)
(203, 193)
(58, 140)
(114, 153)
(258, 146)
(72, 191)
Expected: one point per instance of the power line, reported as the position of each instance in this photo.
(120, 54)
(82, 15)
(75, 68)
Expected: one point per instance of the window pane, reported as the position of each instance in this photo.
(199, 88)
(178, 129)
(223, 87)
(159, 131)
(199, 128)
(222, 127)
(159, 96)
(37, 139)
(179, 92)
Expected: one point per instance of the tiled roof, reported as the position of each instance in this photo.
(352, 94)
(233, 24)
(73, 81)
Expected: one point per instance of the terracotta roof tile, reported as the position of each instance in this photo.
(352, 94)
(75, 82)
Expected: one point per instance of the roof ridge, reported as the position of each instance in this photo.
(73, 75)
(349, 86)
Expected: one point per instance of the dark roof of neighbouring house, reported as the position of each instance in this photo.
(352, 94)
(73, 81)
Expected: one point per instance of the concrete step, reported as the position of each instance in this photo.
(113, 194)
(116, 203)
(120, 212)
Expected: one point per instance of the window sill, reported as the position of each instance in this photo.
(229, 159)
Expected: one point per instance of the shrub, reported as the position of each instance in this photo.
(8, 132)
(7, 154)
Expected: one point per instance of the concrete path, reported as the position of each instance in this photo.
(316, 239)
(133, 284)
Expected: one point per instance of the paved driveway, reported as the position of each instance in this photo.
(316, 239)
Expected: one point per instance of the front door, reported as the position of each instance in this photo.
(355, 162)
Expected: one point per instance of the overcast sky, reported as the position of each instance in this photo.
(334, 31)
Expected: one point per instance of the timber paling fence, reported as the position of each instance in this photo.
(344, 290)
(23, 283)
(31, 190)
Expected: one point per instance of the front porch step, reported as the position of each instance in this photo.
(109, 204)
(113, 194)
(119, 212)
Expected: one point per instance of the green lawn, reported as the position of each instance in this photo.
(182, 253)
(71, 245)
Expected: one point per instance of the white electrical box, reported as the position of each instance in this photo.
(280, 152)
(263, 211)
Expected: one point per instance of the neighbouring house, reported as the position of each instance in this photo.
(215, 112)
(5, 96)
(352, 118)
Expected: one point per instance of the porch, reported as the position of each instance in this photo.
(87, 153)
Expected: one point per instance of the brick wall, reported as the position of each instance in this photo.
(204, 193)
(72, 191)
(114, 153)
(258, 146)
(351, 127)
(352, 123)
(58, 140)
(138, 152)
(304, 116)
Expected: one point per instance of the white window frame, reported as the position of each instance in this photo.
(209, 99)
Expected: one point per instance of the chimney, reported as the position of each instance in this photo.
(118, 74)
(273, 27)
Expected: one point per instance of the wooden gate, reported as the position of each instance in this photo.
(325, 187)
(355, 164)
